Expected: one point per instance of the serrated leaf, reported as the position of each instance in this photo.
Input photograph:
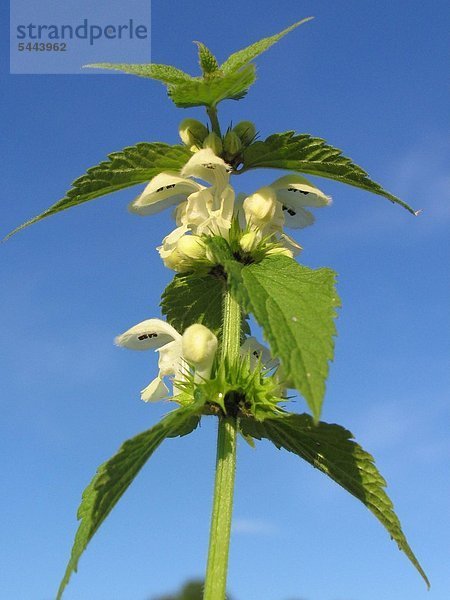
(212, 90)
(296, 307)
(307, 154)
(192, 298)
(207, 60)
(332, 450)
(115, 475)
(240, 58)
(165, 73)
(131, 166)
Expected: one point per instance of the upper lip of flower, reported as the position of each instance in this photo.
(295, 192)
(170, 188)
(151, 333)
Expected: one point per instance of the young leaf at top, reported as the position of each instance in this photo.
(240, 58)
(332, 450)
(207, 61)
(212, 90)
(192, 298)
(229, 81)
(307, 154)
(131, 166)
(165, 73)
(115, 475)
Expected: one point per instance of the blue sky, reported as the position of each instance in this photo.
(369, 78)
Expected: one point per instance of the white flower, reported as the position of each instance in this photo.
(199, 346)
(170, 188)
(163, 338)
(164, 190)
(263, 213)
(209, 167)
(180, 252)
(294, 192)
(207, 213)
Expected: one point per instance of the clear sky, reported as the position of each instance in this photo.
(369, 77)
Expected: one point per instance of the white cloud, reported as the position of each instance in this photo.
(253, 526)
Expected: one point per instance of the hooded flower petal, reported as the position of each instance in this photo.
(295, 192)
(209, 167)
(152, 333)
(164, 190)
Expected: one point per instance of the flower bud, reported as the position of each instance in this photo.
(246, 132)
(249, 241)
(213, 141)
(192, 133)
(176, 261)
(199, 346)
(191, 247)
(231, 143)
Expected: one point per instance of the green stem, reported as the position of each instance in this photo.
(219, 540)
(212, 114)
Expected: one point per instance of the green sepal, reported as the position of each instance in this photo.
(131, 166)
(311, 155)
(115, 475)
(332, 449)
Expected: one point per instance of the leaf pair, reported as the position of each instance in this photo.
(231, 80)
(138, 164)
(329, 448)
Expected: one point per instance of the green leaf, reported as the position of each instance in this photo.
(331, 449)
(212, 90)
(296, 307)
(165, 73)
(207, 60)
(114, 476)
(191, 298)
(308, 154)
(244, 56)
(130, 166)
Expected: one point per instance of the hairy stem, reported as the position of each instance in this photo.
(219, 540)
(212, 114)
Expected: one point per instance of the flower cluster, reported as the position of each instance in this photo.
(201, 211)
(186, 356)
